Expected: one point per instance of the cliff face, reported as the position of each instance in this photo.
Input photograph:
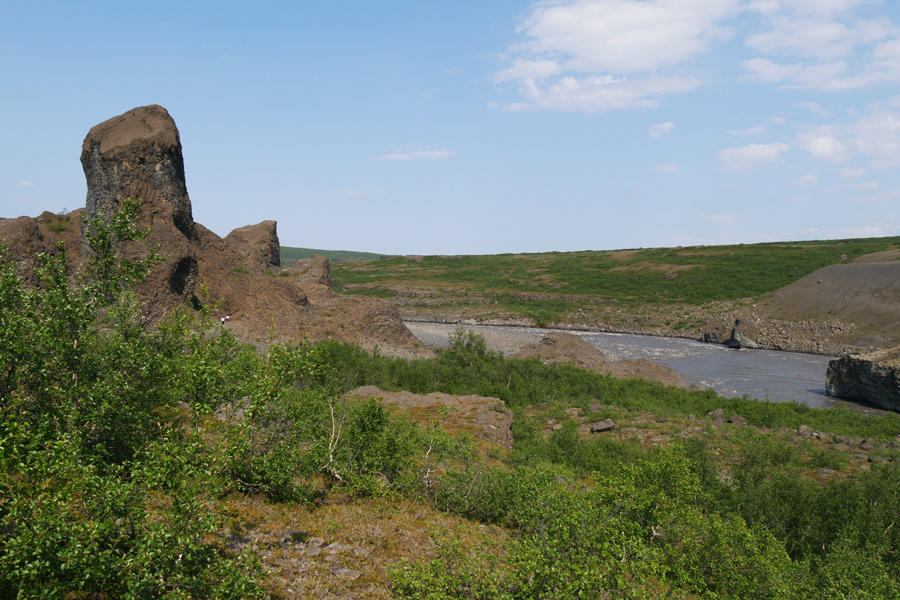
(872, 378)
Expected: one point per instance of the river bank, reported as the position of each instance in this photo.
(711, 324)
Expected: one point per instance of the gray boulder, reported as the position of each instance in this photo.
(606, 425)
(742, 336)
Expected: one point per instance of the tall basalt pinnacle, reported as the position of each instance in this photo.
(137, 155)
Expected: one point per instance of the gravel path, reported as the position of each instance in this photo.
(508, 341)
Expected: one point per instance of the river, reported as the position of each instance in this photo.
(761, 374)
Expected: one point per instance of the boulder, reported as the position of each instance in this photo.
(742, 336)
(737, 420)
(605, 425)
(717, 415)
(257, 245)
(873, 378)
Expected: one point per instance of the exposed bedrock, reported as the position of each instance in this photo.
(137, 155)
(872, 378)
(257, 245)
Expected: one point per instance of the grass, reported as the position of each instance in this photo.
(291, 253)
(690, 276)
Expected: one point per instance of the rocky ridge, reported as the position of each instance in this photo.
(138, 155)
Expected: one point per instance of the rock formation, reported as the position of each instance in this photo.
(257, 246)
(872, 378)
(742, 336)
(138, 155)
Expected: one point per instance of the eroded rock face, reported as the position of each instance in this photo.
(137, 154)
(872, 378)
(257, 245)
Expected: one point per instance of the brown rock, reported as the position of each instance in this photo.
(602, 426)
(138, 155)
(872, 378)
(257, 245)
(717, 415)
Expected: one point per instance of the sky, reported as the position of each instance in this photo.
(477, 127)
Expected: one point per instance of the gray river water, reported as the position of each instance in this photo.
(761, 374)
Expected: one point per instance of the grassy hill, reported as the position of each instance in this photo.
(548, 286)
(290, 253)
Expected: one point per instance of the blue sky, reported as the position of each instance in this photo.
(477, 127)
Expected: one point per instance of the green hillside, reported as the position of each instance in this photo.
(692, 275)
(290, 253)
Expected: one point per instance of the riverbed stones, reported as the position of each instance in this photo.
(737, 420)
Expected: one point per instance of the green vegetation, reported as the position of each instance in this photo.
(690, 275)
(125, 452)
(287, 252)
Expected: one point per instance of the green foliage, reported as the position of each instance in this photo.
(104, 493)
(469, 368)
(116, 440)
(706, 273)
(290, 253)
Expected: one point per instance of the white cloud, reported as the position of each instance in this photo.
(823, 142)
(354, 193)
(868, 186)
(661, 129)
(427, 154)
(860, 231)
(851, 172)
(745, 158)
(808, 180)
(874, 134)
(824, 45)
(26, 184)
(814, 108)
(755, 130)
(596, 55)
(667, 168)
(599, 93)
(877, 135)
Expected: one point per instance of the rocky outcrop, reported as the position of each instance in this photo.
(257, 245)
(872, 378)
(315, 270)
(137, 155)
